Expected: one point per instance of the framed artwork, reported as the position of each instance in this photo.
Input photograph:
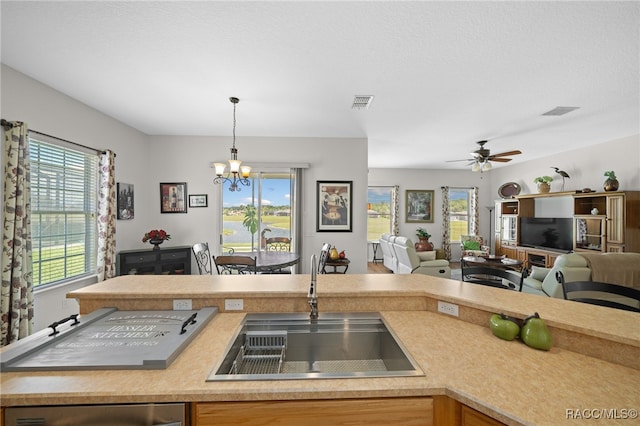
(125, 201)
(173, 197)
(419, 206)
(198, 200)
(333, 206)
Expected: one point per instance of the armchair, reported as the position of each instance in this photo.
(473, 245)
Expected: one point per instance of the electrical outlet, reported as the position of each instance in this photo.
(182, 304)
(448, 308)
(233, 304)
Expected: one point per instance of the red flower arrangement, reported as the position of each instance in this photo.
(156, 234)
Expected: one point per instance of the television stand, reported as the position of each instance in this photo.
(536, 260)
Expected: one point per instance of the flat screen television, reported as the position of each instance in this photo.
(554, 233)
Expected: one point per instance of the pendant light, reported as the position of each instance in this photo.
(240, 173)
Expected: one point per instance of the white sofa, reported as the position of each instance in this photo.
(410, 263)
(389, 259)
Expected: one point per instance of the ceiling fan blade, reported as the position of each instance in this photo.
(503, 154)
(500, 160)
(455, 161)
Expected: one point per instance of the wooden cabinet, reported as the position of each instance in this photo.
(167, 260)
(369, 411)
(607, 221)
(471, 417)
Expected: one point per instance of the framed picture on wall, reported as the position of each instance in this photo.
(173, 197)
(419, 206)
(334, 211)
(198, 200)
(125, 201)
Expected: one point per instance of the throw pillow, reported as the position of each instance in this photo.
(426, 255)
(471, 245)
(538, 273)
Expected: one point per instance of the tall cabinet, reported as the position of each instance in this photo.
(602, 222)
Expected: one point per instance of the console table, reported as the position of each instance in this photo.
(167, 261)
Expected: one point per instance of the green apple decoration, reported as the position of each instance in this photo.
(504, 326)
(535, 333)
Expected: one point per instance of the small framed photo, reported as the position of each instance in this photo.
(125, 201)
(173, 197)
(198, 200)
(419, 206)
(333, 210)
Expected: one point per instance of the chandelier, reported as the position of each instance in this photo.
(240, 174)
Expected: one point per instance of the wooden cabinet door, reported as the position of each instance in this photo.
(366, 411)
(615, 219)
(471, 417)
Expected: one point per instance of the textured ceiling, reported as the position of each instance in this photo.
(444, 74)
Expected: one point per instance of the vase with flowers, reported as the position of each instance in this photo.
(423, 243)
(156, 237)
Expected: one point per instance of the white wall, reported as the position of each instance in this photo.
(145, 161)
(585, 167)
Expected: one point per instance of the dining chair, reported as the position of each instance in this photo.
(235, 264)
(278, 244)
(203, 258)
(599, 293)
(493, 277)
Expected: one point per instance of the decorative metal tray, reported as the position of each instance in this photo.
(108, 339)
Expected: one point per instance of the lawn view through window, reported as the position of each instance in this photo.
(63, 206)
(259, 211)
(459, 212)
(378, 211)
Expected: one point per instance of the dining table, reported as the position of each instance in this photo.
(271, 261)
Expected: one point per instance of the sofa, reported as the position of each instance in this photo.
(615, 268)
(389, 259)
(411, 262)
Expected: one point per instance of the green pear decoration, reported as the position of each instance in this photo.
(504, 326)
(535, 333)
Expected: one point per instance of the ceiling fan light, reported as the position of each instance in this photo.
(487, 166)
(475, 167)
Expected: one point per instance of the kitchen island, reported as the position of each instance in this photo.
(594, 364)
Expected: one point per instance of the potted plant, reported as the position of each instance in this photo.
(423, 243)
(611, 184)
(544, 183)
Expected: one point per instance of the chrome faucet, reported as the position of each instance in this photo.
(312, 296)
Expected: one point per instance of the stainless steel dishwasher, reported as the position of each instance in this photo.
(172, 414)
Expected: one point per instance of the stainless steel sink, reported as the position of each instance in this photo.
(336, 345)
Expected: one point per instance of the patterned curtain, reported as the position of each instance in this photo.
(16, 294)
(107, 216)
(475, 213)
(446, 237)
(395, 210)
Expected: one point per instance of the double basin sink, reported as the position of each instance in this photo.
(292, 346)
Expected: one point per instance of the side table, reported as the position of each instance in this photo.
(339, 263)
(375, 244)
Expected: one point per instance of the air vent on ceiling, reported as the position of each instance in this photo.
(362, 101)
(560, 110)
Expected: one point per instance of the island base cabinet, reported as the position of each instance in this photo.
(366, 411)
(449, 412)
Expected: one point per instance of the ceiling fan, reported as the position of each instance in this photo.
(482, 157)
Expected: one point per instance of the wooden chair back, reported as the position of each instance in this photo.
(278, 244)
(235, 264)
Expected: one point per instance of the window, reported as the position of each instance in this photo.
(459, 212)
(379, 211)
(63, 210)
(263, 210)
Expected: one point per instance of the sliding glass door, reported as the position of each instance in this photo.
(262, 210)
